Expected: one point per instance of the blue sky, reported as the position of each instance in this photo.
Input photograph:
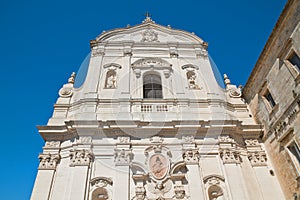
(42, 42)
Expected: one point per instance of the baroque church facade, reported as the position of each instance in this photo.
(151, 122)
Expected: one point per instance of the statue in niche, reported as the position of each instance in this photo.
(191, 77)
(111, 79)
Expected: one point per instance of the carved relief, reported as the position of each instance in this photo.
(179, 192)
(151, 62)
(225, 139)
(52, 144)
(98, 51)
(101, 188)
(48, 161)
(158, 165)
(188, 139)
(80, 157)
(160, 189)
(140, 193)
(123, 156)
(149, 36)
(191, 77)
(257, 158)
(213, 185)
(230, 156)
(191, 156)
(252, 142)
(124, 140)
(156, 139)
(235, 92)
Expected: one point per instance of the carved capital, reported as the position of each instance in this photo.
(48, 161)
(123, 156)
(191, 156)
(80, 157)
(258, 158)
(230, 156)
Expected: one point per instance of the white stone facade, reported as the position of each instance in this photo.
(151, 122)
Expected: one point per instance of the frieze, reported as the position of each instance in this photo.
(81, 157)
(48, 161)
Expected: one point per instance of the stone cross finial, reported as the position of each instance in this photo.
(148, 18)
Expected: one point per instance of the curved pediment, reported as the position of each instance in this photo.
(149, 32)
(151, 62)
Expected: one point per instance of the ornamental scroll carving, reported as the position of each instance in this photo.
(48, 161)
(101, 188)
(67, 90)
(230, 156)
(191, 156)
(214, 185)
(81, 157)
(123, 156)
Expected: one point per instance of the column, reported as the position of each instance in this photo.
(191, 158)
(80, 162)
(123, 157)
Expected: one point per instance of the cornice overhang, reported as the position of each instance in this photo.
(57, 133)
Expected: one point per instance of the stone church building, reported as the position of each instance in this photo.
(151, 121)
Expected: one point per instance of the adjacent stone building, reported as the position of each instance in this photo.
(151, 122)
(273, 94)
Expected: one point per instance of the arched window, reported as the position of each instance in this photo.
(152, 88)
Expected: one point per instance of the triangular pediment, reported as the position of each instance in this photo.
(149, 32)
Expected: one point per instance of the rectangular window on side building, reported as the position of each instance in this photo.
(270, 99)
(294, 60)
